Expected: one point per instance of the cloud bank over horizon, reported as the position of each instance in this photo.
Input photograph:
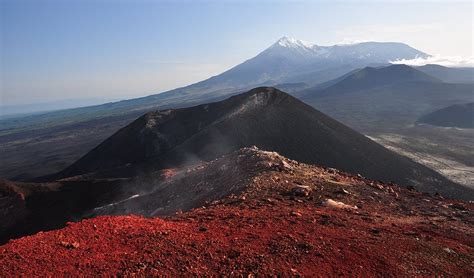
(448, 61)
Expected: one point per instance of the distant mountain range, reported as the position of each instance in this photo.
(449, 75)
(458, 115)
(369, 77)
(384, 98)
(286, 61)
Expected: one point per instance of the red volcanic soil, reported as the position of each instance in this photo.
(292, 219)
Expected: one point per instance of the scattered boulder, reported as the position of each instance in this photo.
(457, 206)
(336, 204)
(450, 251)
(70, 245)
(301, 191)
(295, 213)
(342, 191)
(285, 165)
(375, 230)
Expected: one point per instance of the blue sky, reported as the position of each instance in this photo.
(53, 50)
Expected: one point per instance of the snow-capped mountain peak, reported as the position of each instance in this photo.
(365, 52)
(293, 43)
(291, 60)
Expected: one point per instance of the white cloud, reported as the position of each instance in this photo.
(449, 61)
(345, 41)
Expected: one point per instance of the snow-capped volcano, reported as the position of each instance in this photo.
(293, 60)
(288, 61)
(370, 52)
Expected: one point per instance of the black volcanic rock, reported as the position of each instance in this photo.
(264, 117)
(12, 206)
(458, 115)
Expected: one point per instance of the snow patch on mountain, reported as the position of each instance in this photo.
(293, 43)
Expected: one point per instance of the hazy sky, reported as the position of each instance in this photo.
(53, 50)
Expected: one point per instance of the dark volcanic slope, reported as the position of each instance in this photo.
(459, 115)
(264, 117)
